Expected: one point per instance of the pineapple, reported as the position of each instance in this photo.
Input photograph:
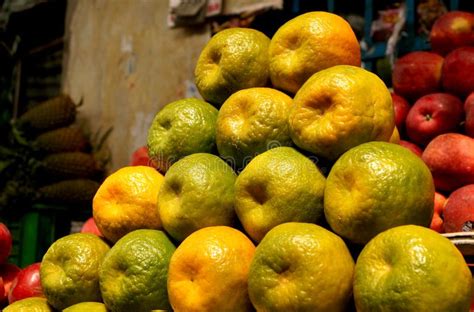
(54, 113)
(67, 139)
(75, 191)
(69, 165)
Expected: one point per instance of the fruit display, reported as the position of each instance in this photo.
(299, 183)
(437, 123)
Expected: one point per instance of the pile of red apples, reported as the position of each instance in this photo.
(434, 110)
(16, 283)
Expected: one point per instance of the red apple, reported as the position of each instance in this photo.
(432, 115)
(452, 30)
(401, 108)
(26, 284)
(8, 273)
(416, 74)
(5, 243)
(412, 147)
(91, 227)
(140, 157)
(458, 68)
(469, 111)
(437, 221)
(459, 210)
(450, 158)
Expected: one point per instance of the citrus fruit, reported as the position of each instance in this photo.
(411, 268)
(70, 269)
(376, 186)
(250, 122)
(87, 306)
(134, 272)
(395, 137)
(126, 201)
(280, 185)
(209, 271)
(198, 191)
(307, 44)
(233, 59)
(301, 267)
(339, 108)
(181, 128)
(32, 304)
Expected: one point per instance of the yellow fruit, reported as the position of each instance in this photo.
(234, 59)
(339, 108)
(250, 122)
(301, 267)
(209, 271)
(307, 44)
(395, 137)
(133, 275)
(376, 186)
(280, 185)
(411, 268)
(32, 304)
(87, 307)
(126, 201)
(181, 128)
(70, 269)
(198, 191)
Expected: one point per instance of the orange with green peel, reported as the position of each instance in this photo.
(87, 306)
(181, 128)
(32, 304)
(307, 44)
(278, 186)
(126, 201)
(395, 137)
(209, 271)
(198, 191)
(232, 60)
(133, 274)
(301, 267)
(339, 108)
(411, 268)
(376, 186)
(70, 270)
(250, 122)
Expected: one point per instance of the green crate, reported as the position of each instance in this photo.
(37, 228)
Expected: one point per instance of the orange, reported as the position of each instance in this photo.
(301, 267)
(70, 269)
(307, 44)
(198, 191)
(87, 306)
(234, 59)
(395, 137)
(376, 186)
(126, 201)
(411, 268)
(209, 270)
(181, 128)
(31, 304)
(341, 107)
(278, 186)
(134, 272)
(250, 122)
